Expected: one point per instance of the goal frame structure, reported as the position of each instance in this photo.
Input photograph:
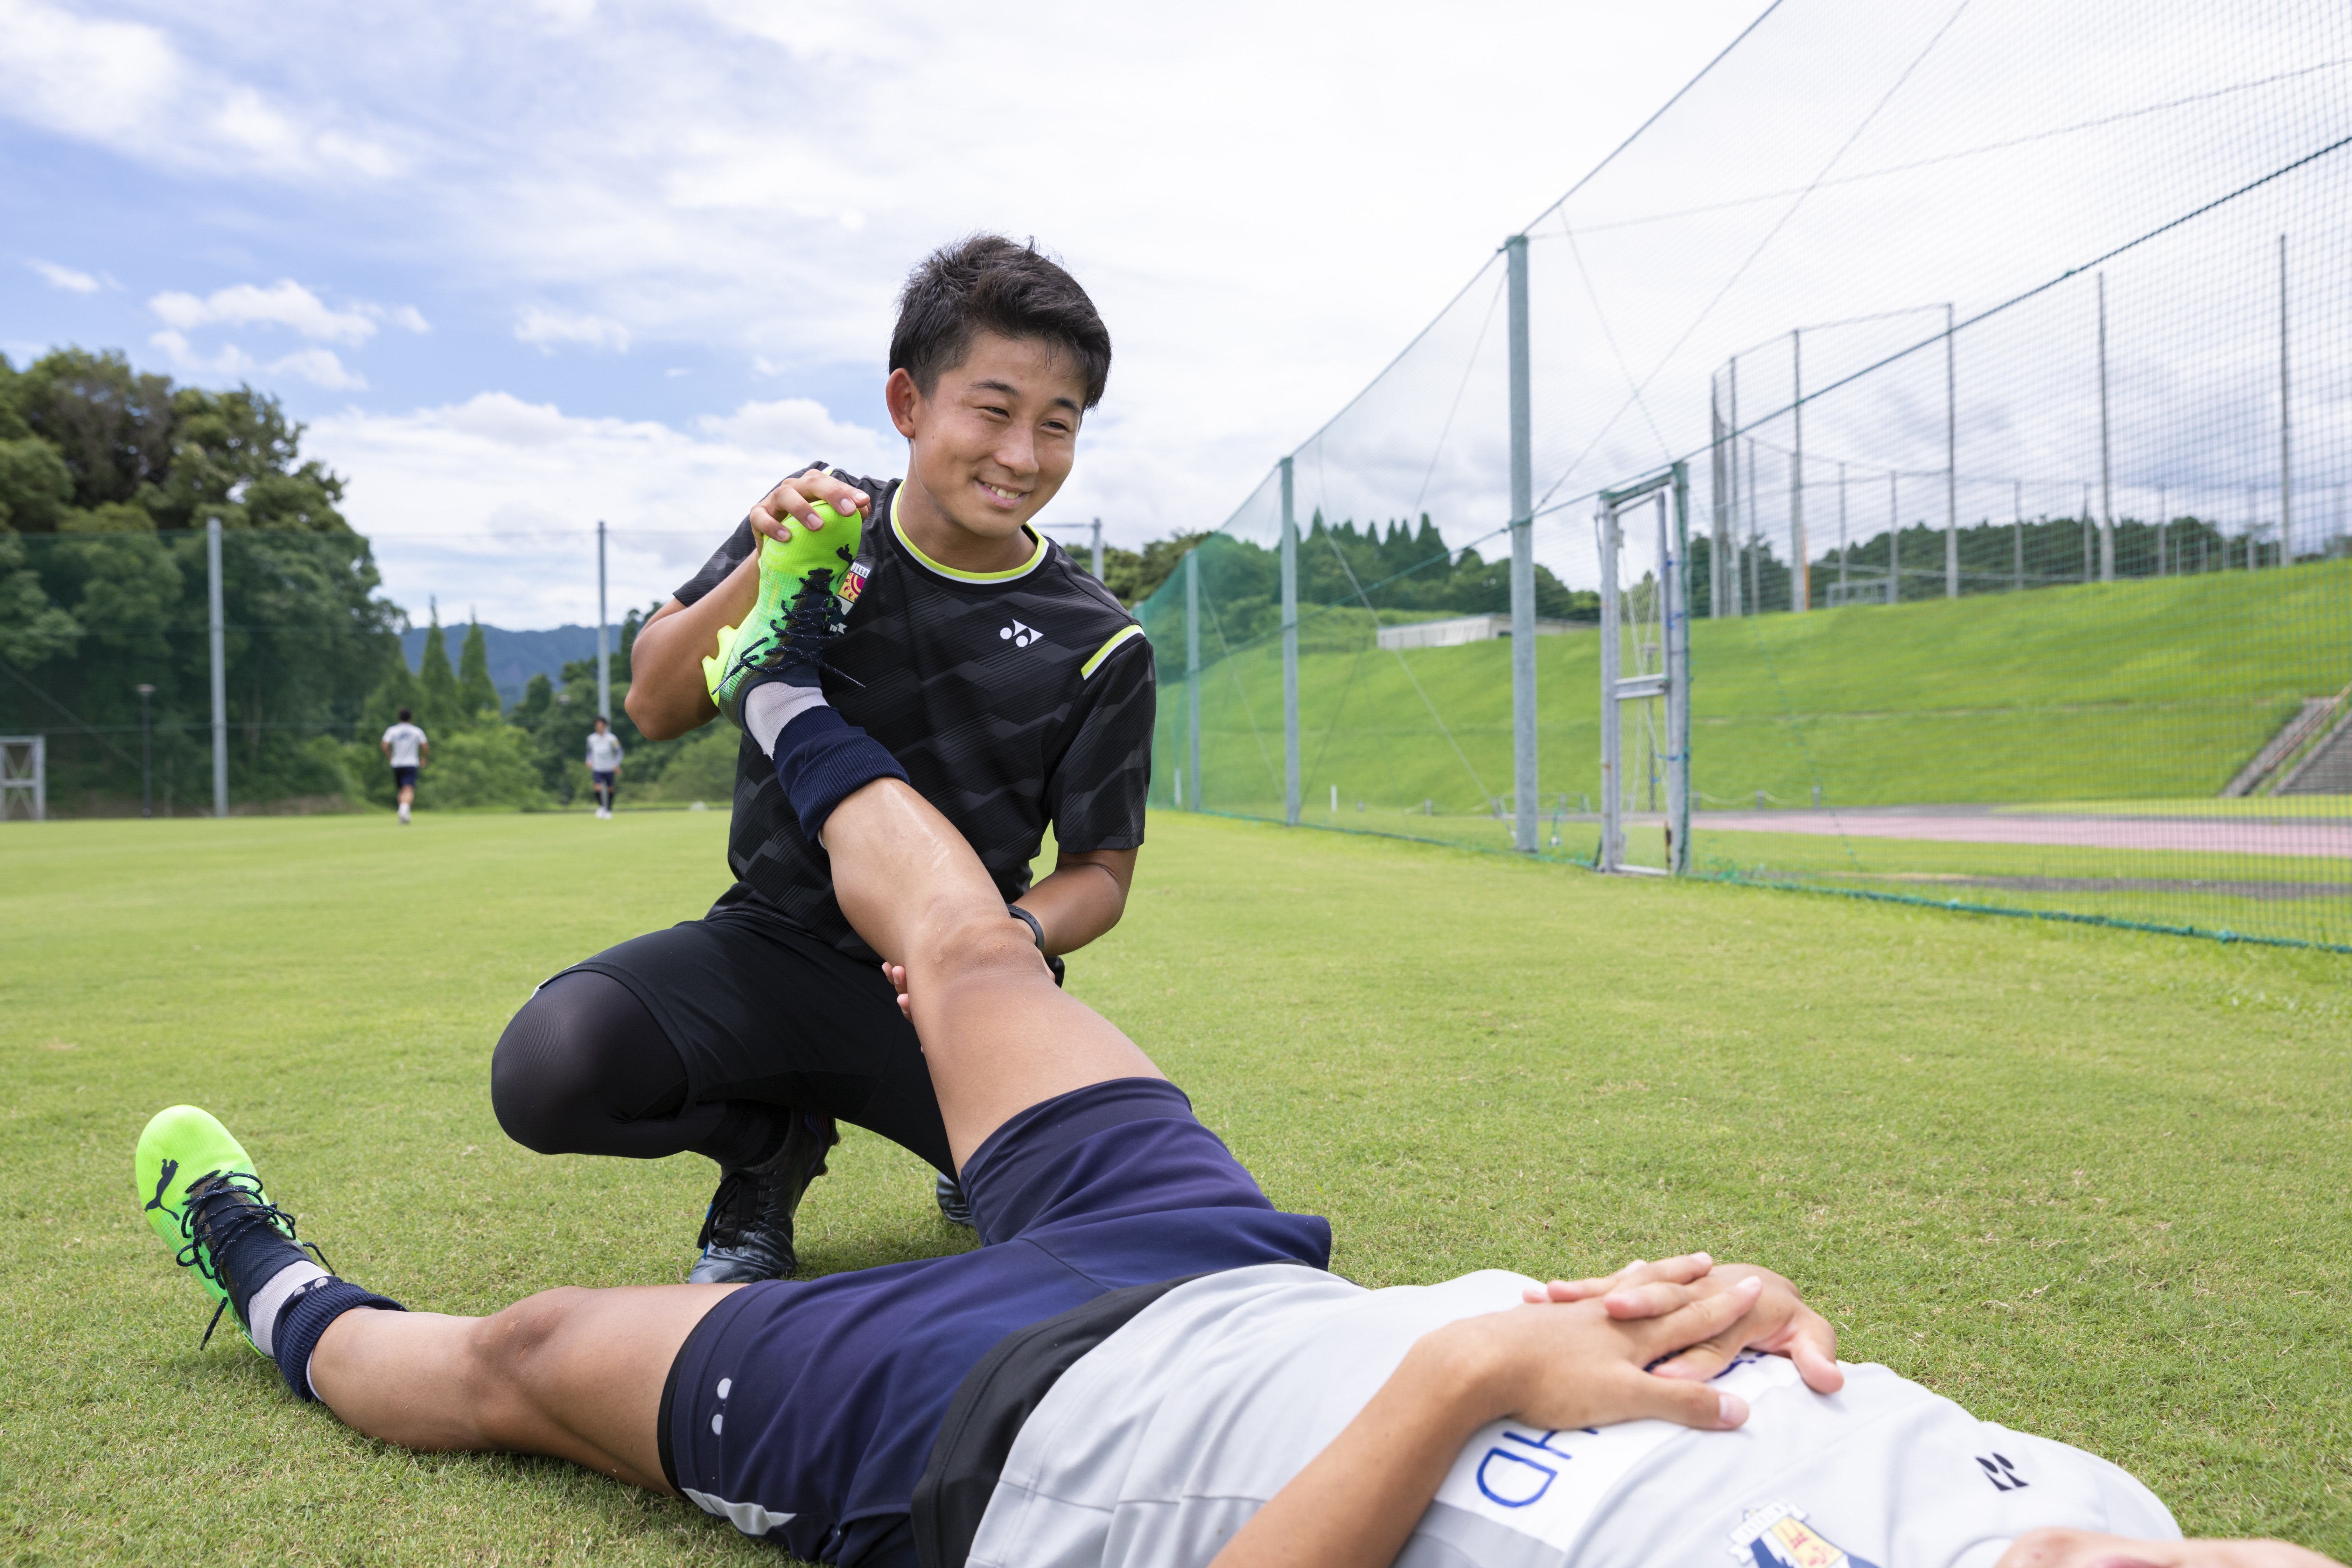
(1667, 493)
(24, 775)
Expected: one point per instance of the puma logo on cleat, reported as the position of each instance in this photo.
(163, 1185)
(1019, 634)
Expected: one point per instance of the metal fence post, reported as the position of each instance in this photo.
(604, 650)
(2107, 471)
(1613, 730)
(1290, 781)
(1523, 562)
(1951, 467)
(2286, 482)
(220, 667)
(1678, 663)
(1720, 537)
(1801, 581)
(1193, 669)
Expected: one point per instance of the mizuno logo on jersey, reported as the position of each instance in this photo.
(1019, 636)
(1777, 1536)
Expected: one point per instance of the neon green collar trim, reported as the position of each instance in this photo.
(1022, 570)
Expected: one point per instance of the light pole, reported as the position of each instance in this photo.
(146, 753)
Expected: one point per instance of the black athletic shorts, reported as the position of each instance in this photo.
(403, 778)
(805, 1411)
(758, 1010)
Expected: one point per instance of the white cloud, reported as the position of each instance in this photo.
(230, 361)
(321, 367)
(546, 328)
(409, 317)
(128, 87)
(284, 303)
(64, 277)
(497, 499)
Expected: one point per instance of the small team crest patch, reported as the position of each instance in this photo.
(853, 584)
(1777, 1536)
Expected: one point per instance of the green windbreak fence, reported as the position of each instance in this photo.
(2012, 371)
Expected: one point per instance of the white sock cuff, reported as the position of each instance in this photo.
(770, 707)
(263, 1307)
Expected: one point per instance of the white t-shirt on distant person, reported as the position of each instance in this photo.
(404, 740)
(603, 752)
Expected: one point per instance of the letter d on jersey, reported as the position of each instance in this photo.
(1511, 1480)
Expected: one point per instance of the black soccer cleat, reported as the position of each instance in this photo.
(747, 1235)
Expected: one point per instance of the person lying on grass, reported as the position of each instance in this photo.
(1149, 1364)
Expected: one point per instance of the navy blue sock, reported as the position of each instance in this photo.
(305, 1319)
(247, 1248)
(821, 759)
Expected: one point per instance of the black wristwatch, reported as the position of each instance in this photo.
(1052, 962)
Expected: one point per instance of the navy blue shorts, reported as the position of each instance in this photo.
(606, 780)
(805, 1410)
(403, 778)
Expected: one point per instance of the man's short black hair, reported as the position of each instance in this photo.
(404, 715)
(984, 282)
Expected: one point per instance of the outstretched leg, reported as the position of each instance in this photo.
(999, 1036)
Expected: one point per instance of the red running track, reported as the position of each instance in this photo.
(2211, 835)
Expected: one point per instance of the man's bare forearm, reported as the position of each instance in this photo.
(667, 695)
(1082, 898)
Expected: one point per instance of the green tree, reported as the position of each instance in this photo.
(475, 692)
(442, 707)
(108, 477)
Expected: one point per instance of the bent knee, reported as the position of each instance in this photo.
(974, 942)
(516, 1344)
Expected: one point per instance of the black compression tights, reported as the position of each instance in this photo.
(585, 1070)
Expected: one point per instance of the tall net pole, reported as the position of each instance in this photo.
(220, 666)
(2107, 471)
(1801, 581)
(1951, 466)
(2286, 481)
(604, 649)
(1523, 560)
(1290, 652)
(1192, 671)
(1720, 539)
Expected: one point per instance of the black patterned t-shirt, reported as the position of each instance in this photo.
(1013, 700)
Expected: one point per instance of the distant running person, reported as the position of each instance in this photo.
(406, 747)
(604, 767)
(1015, 688)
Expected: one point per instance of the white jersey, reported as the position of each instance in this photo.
(603, 752)
(1161, 1443)
(404, 740)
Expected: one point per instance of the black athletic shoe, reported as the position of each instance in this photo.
(953, 1206)
(747, 1237)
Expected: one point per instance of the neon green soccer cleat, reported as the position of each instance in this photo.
(796, 614)
(184, 1154)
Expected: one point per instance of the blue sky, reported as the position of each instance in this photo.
(523, 265)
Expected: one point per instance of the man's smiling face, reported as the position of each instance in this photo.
(992, 442)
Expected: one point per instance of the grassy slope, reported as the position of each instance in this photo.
(2141, 688)
(2089, 1183)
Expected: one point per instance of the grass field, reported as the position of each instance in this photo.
(2089, 1182)
(2145, 689)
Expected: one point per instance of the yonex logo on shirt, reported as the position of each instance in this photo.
(1019, 634)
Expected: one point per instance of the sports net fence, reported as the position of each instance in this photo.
(2007, 346)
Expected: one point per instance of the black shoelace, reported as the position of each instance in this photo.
(205, 1231)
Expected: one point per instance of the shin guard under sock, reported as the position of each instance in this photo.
(821, 759)
(307, 1317)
